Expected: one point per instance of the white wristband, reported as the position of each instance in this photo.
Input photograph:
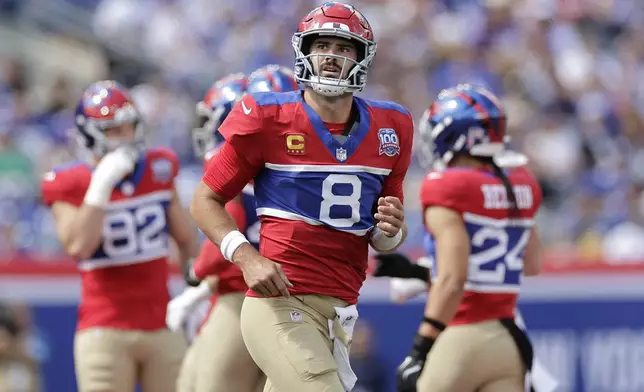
(381, 241)
(231, 242)
(98, 194)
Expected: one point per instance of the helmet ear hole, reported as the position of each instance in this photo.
(307, 41)
(360, 49)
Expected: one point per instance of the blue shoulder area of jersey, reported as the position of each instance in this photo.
(387, 105)
(276, 98)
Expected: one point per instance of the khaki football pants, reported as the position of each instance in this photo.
(111, 360)
(478, 357)
(221, 360)
(289, 339)
(187, 379)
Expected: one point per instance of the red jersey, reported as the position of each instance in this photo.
(316, 193)
(498, 240)
(124, 283)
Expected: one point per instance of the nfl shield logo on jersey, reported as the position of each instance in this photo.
(388, 142)
(341, 154)
(162, 170)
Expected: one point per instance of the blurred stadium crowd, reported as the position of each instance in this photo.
(571, 74)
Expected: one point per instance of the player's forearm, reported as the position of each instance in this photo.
(187, 252)
(532, 256)
(209, 212)
(445, 296)
(183, 233)
(211, 217)
(85, 232)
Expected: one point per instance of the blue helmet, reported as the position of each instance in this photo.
(464, 119)
(213, 110)
(272, 78)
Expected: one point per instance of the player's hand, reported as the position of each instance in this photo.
(115, 165)
(176, 314)
(180, 307)
(265, 277)
(407, 374)
(409, 370)
(390, 215)
(112, 168)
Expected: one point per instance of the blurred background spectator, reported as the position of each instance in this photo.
(370, 369)
(19, 371)
(571, 74)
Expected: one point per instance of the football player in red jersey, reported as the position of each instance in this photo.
(328, 170)
(203, 275)
(115, 215)
(229, 367)
(481, 219)
(410, 279)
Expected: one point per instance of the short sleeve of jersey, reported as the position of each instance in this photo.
(393, 185)
(59, 186)
(243, 121)
(240, 158)
(210, 154)
(441, 189)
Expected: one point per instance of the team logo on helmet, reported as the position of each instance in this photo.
(389, 145)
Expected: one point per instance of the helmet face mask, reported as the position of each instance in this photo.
(334, 20)
(204, 136)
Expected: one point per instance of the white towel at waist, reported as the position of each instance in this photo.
(341, 333)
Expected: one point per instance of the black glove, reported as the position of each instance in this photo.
(397, 265)
(409, 370)
(189, 274)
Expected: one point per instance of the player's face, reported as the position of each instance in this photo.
(120, 134)
(325, 64)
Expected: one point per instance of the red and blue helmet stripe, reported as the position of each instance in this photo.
(464, 119)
